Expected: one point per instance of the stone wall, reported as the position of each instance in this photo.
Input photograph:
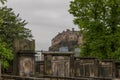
(24, 44)
(58, 64)
(86, 67)
(26, 66)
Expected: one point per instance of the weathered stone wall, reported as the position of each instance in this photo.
(66, 65)
(106, 69)
(57, 64)
(24, 44)
(60, 66)
(86, 67)
(39, 68)
(26, 66)
(25, 52)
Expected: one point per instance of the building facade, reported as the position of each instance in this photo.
(68, 38)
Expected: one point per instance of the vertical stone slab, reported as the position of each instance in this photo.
(26, 63)
(60, 66)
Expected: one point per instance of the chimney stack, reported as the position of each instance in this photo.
(67, 30)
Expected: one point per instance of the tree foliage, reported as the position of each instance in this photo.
(99, 22)
(3, 1)
(11, 27)
(5, 54)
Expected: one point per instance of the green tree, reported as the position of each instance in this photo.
(99, 22)
(5, 54)
(3, 1)
(11, 27)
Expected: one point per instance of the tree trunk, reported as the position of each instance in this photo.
(0, 70)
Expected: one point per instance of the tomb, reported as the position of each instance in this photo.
(106, 68)
(58, 63)
(24, 60)
(85, 67)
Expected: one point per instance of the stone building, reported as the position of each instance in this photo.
(68, 38)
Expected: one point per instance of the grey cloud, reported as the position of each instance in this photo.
(45, 17)
(39, 4)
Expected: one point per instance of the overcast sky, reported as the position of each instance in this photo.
(45, 18)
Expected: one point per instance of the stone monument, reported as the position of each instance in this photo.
(58, 63)
(24, 62)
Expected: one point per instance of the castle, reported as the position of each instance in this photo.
(69, 38)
